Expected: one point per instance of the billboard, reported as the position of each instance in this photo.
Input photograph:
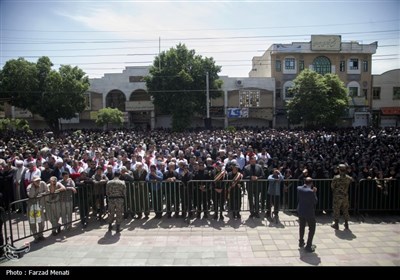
(238, 112)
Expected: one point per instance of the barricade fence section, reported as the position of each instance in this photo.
(57, 211)
(379, 195)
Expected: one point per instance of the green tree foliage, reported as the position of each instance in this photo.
(177, 82)
(318, 100)
(14, 124)
(41, 90)
(108, 116)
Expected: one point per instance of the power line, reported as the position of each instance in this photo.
(200, 29)
(196, 39)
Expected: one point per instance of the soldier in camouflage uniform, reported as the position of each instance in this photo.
(116, 192)
(340, 189)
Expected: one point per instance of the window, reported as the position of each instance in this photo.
(396, 93)
(365, 65)
(342, 66)
(288, 93)
(278, 66)
(353, 64)
(322, 65)
(286, 90)
(116, 99)
(249, 98)
(353, 91)
(301, 65)
(289, 63)
(376, 93)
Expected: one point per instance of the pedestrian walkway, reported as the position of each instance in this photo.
(372, 241)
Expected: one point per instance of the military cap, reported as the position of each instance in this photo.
(342, 166)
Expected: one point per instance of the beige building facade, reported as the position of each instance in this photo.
(386, 99)
(351, 61)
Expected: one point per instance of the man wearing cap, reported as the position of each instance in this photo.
(307, 200)
(116, 192)
(340, 189)
(36, 203)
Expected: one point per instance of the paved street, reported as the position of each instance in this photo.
(373, 241)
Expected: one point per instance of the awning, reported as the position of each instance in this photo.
(390, 110)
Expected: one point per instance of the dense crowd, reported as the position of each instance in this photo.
(367, 152)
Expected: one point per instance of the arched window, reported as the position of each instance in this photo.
(140, 95)
(354, 89)
(286, 86)
(322, 65)
(116, 99)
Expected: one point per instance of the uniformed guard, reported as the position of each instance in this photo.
(340, 189)
(116, 192)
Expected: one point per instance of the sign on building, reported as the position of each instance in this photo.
(326, 42)
(238, 112)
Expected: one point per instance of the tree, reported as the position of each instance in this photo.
(14, 124)
(177, 83)
(49, 93)
(318, 100)
(108, 116)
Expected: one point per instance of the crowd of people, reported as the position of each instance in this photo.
(367, 152)
(95, 156)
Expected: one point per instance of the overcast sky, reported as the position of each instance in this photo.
(106, 36)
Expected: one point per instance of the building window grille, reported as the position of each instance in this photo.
(290, 63)
(288, 93)
(322, 65)
(376, 93)
(249, 98)
(353, 91)
(301, 65)
(365, 65)
(342, 66)
(396, 93)
(353, 64)
(278, 66)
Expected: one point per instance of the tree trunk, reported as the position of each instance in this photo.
(54, 126)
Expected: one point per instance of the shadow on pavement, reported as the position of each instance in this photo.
(346, 234)
(109, 238)
(310, 258)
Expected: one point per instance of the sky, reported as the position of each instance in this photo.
(107, 36)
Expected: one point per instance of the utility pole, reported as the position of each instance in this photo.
(208, 96)
(159, 51)
(207, 121)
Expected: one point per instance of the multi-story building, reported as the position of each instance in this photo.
(386, 99)
(245, 102)
(351, 61)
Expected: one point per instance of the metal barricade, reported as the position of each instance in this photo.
(379, 195)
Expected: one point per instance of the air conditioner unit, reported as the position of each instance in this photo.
(239, 83)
